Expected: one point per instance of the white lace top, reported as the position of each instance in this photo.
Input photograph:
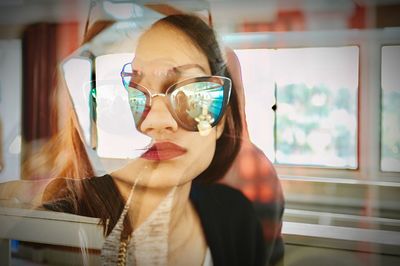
(148, 244)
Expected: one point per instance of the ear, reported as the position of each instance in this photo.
(220, 127)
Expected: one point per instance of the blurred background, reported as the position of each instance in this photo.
(321, 81)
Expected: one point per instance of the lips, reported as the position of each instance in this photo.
(161, 151)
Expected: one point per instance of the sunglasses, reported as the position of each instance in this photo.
(197, 104)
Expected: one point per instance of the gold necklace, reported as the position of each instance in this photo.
(123, 247)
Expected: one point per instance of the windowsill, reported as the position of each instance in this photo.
(342, 231)
(347, 196)
(335, 180)
(336, 237)
(45, 227)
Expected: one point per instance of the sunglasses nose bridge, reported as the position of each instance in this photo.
(165, 100)
(157, 94)
(159, 115)
(153, 95)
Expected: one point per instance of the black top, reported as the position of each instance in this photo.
(230, 224)
(231, 227)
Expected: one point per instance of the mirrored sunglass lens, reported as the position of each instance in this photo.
(137, 102)
(126, 81)
(198, 102)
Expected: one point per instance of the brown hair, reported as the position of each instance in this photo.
(227, 146)
(63, 155)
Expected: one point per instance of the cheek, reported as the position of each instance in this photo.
(202, 150)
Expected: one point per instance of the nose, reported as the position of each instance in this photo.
(159, 119)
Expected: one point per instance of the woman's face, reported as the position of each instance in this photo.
(176, 155)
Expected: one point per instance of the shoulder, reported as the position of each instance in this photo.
(217, 189)
(218, 194)
(231, 226)
(222, 202)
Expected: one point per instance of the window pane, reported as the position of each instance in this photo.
(316, 121)
(10, 109)
(390, 128)
(257, 66)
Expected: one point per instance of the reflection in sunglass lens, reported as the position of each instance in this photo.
(137, 102)
(198, 103)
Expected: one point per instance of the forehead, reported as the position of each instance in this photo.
(165, 46)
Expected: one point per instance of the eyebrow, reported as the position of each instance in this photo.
(187, 66)
(176, 69)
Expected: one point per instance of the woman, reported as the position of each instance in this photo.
(164, 208)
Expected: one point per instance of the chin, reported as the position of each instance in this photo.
(170, 173)
(165, 178)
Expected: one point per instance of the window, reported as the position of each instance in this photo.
(259, 94)
(390, 109)
(316, 94)
(10, 109)
(347, 176)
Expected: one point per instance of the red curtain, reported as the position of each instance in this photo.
(44, 46)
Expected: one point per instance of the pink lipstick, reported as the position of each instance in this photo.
(161, 151)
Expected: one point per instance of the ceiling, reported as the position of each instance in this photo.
(226, 13)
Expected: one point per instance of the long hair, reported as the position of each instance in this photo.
(63, 155)
(227, 146)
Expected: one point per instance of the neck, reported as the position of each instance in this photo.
(184, 234)
(146, 199)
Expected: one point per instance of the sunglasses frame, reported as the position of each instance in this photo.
(227, 88)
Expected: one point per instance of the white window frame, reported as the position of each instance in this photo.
(370, 43)
(368, 174)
